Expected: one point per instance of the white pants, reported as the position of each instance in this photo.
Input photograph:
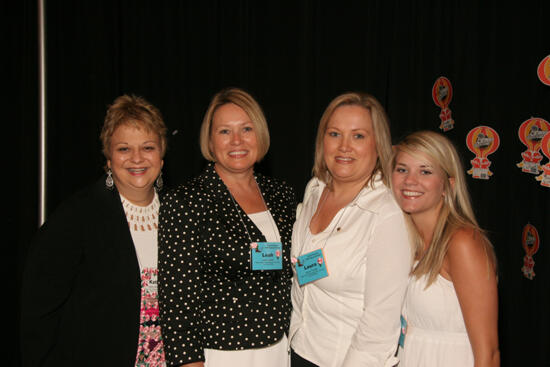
(275, 355)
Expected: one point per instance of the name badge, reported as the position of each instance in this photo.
(266, 255)
(310, 267)
(403, 332)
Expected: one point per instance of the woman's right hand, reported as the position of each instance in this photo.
(193, 364)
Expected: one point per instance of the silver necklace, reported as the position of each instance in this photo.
(241, 218)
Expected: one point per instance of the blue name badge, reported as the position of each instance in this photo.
(403, 332)
(311, 266)
(266, 255)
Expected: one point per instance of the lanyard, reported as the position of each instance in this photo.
(271, 221)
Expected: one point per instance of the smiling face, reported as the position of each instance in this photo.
(349, 145)
(233, 140)
(418, 185)
(135, 159)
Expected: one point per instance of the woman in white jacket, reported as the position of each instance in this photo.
(350, 246)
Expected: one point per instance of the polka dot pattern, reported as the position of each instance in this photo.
(209, 297)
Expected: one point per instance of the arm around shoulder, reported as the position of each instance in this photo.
(387, 270)
(180, 278)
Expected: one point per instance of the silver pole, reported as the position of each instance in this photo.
(42, 112)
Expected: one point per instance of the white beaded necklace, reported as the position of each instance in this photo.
(141, 218)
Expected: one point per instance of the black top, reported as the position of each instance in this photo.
(81, 286)
(209, 297)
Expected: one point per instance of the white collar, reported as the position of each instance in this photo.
(369, 198)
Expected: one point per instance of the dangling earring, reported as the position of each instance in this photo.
(109, 180)
(159, 183)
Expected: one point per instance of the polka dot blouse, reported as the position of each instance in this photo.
(209, 297)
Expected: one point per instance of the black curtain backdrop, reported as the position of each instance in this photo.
(294, 57)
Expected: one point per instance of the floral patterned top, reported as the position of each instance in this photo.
(143, 223)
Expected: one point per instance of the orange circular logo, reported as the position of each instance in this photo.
(543, 71)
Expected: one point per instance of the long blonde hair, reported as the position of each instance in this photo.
(456, 212)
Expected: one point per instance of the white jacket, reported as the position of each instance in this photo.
(352, 317)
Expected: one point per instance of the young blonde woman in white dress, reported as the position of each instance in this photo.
(451, 305)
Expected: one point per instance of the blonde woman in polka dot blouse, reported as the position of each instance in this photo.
(215, 309)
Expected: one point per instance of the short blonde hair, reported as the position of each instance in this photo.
(134, 111)
(380, 125)
(245, 101)
(456, 212)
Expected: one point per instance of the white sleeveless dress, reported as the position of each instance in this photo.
(436, 334)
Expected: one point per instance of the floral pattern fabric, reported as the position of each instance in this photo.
(150, 346)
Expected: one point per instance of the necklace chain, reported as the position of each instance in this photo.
(319, 207)
(239, 212)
